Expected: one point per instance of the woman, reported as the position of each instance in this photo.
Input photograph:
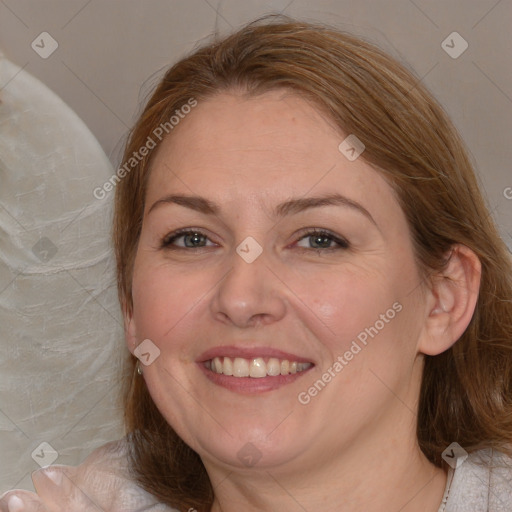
(316, 298)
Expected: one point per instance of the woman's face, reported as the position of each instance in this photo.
(255, 292)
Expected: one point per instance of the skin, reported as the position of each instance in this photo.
(353, 446)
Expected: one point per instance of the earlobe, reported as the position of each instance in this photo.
(452, 300)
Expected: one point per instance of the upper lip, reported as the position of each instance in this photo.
(232, 351)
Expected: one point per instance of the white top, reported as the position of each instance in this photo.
(102, 482)
(481, 483)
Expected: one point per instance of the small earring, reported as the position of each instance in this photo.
(139, 369)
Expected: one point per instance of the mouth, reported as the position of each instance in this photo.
(255, 368)
(252, 370)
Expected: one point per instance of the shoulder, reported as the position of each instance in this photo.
(481, 482)
(101, 482)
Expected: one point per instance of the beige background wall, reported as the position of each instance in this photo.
(111, 53)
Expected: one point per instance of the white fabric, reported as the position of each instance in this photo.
(60, 325)
(483, 482)
(101, 482)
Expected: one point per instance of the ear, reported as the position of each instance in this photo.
(130, 331)
(451, 301)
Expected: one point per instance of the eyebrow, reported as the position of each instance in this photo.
(290, 207)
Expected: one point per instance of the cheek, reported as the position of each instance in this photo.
(163, 298)
(374, 323)
(343, 304)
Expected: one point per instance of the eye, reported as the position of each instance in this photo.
(321, 240)
(192, 238)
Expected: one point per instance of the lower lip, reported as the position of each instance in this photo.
(251, 385)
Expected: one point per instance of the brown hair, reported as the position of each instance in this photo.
(466, 393)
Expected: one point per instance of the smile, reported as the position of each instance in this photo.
(256, 368)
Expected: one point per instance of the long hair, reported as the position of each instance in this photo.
(466, 392)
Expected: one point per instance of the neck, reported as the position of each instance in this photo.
(373, 485)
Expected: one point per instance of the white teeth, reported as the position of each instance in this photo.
(217, 365)
(255, 368)
(273, 367)
(240, 367)
(258, 368)
(227, 367)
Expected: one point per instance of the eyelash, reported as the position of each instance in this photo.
(343, 244)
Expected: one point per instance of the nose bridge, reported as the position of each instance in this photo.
(249, 290)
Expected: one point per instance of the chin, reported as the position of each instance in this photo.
(251, 446)
(249, 455)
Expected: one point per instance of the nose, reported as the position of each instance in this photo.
(250, 294)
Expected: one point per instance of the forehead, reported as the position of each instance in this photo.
(274, 145)
(274, 123)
